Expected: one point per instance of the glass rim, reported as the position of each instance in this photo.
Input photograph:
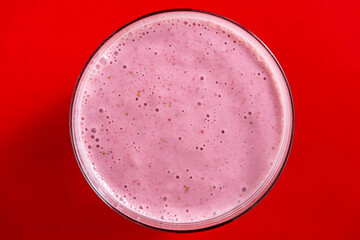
(260, 196)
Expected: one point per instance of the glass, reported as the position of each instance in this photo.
(238, 210)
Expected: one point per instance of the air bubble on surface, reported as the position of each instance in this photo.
(103, 61)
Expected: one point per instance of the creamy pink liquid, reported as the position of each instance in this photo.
(178, 119)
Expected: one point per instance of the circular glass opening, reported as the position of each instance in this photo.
(182, 120)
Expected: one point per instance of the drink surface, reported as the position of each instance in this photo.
(179, 118)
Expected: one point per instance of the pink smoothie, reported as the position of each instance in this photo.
(181, 117)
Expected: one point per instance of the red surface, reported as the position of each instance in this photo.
(44, 47)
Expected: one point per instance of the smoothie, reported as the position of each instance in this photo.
(181, 117)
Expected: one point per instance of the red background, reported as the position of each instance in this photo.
(45, 44)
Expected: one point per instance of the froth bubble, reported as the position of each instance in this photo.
(103, 61)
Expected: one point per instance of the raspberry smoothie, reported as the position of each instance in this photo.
(181, 117)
